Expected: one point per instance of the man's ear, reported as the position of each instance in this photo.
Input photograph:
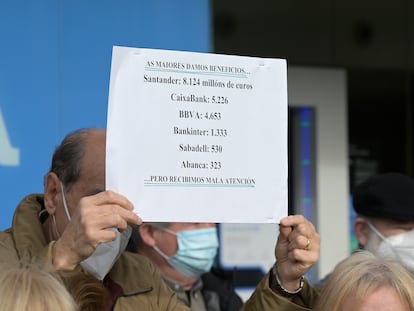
(361, 230)
(52, 191)
(147, 233)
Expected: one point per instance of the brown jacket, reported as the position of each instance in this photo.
(142, 287)
(141, 284)
(263, 298)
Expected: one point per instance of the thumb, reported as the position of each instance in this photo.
(284, 231)
(281, 248)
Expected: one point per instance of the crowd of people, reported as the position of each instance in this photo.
(87, 244)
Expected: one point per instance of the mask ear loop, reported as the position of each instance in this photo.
(157, 249)
(167, 230)
(65, 206)
(383, 238)
(372, 227)
(56, 229)
(160, 252)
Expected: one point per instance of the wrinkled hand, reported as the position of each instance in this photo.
(296, 251)
(89, 227)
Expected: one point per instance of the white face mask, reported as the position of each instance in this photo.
(106, 254)
(399, 247)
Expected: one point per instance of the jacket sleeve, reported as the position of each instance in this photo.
(39, 254)
(45, 256)
(264, 298)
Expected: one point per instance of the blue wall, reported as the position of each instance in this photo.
(55, 58)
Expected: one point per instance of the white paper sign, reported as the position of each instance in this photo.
(197, 137)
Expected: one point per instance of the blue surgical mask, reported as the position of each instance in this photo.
(196, 252)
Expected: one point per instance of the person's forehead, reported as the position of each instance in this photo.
(392, 222)
(184, 226)
(383, 299)
(392, 227)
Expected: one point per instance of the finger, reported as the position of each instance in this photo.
(101, 236)
(306, 230)
(304, 239)
(299, 242)
(292, 220)
(128, 216)
(284, 231)
(305, 244)
(304, 257)
(111, 197)
(308, 241)
(106, 216)
(114, 216)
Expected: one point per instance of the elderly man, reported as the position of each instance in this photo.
(384, 225)
(385, 222)
(184, 254)
(82, 230)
